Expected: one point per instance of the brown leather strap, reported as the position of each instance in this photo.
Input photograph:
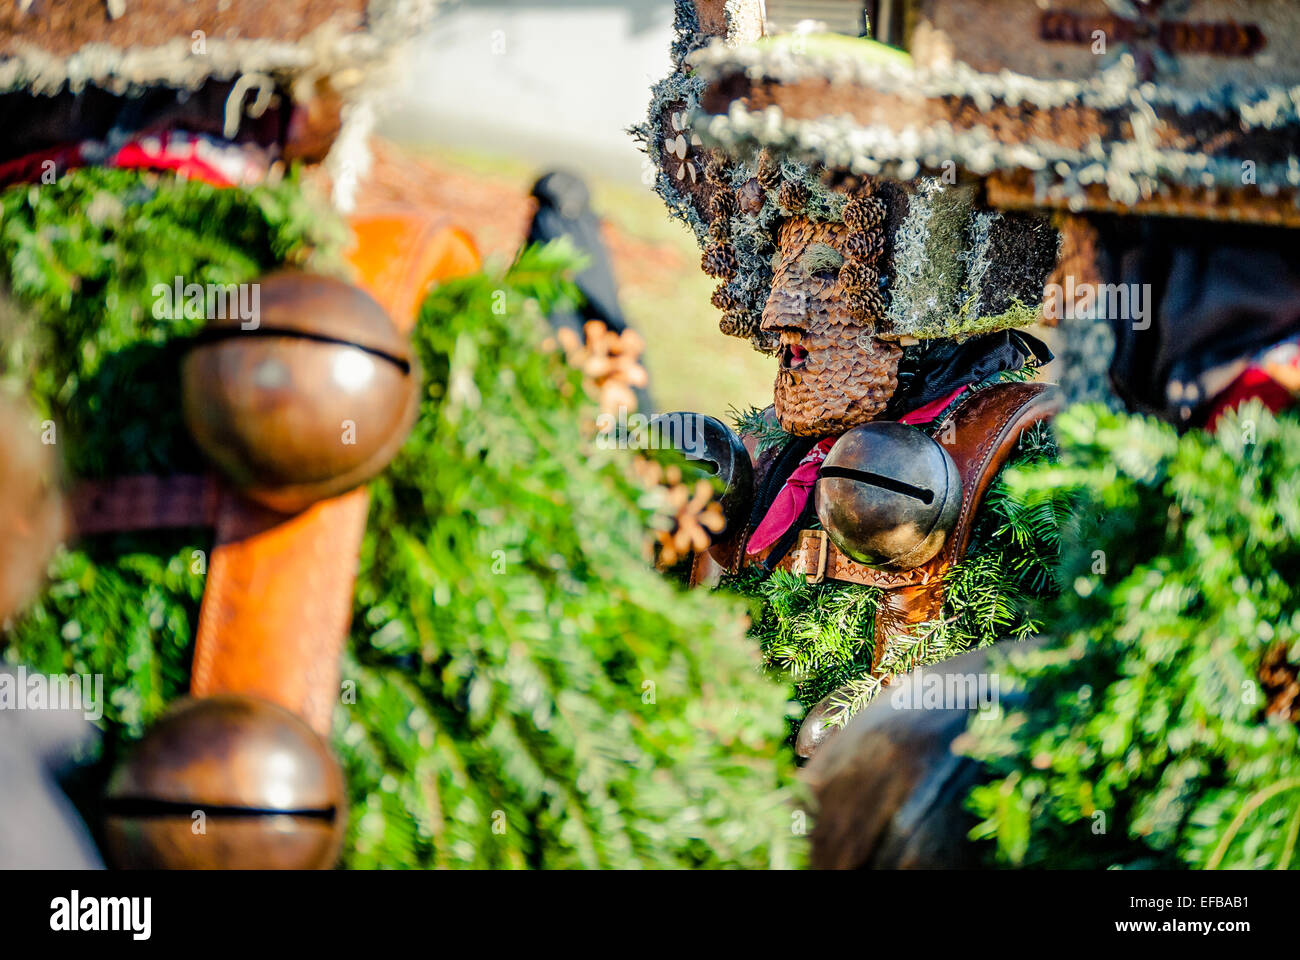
(145, 502)
(984, 429)
(278, 601)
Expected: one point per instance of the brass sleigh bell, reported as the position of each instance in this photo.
(226, 782)
(312, 398)
(708, 440)
(888, 495)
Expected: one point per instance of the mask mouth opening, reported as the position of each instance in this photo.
(794, 356)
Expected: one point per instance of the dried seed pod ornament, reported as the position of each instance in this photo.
(719, 260)
(792, 198)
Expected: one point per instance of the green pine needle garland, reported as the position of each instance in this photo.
(521, 689)
(1145, 737)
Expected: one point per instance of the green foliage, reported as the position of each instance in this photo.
(822, 635)
(82, 256)
(1143, 737)
(529, 691)
(510, 584)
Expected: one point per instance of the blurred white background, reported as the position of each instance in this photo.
(553, 82)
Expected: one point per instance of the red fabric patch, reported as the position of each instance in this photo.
(1250, 383)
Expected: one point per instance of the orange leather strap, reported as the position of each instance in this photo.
(278, 601)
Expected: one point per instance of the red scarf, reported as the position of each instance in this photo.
(790, 502)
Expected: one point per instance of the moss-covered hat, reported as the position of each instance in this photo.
(297, 78)
(1188, 108)
(126, 45)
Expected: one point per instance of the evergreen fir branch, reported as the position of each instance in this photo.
(761, 425)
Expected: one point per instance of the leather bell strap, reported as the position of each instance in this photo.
(277, 606)
(144, 502)
(986, 428)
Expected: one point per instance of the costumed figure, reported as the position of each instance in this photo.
(871, 530)
(1155, 722)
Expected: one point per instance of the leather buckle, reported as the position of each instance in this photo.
(823, 551)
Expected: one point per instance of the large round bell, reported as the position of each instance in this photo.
(888, 495)
(32, 517)
(313, 399)
(226, 782)
(708, 440)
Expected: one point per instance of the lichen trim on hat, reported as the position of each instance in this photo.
(45, 48)
(1107, 140)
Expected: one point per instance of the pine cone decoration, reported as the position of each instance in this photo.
(724, 298)
(857, 277)
(720, 230)
(722, 205)
(750, 196)
(865, 247)
(867, 306)
(792, 197)
(716, 172)
(850, 184)
(739, 323)
(769, 170)
(864, 215)
(719, 260)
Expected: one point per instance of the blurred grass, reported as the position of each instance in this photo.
(665, 295)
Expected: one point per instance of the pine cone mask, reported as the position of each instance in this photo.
(835, 373)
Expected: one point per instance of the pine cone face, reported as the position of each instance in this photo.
(835, 373)
(719, 261)
(864, 215)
